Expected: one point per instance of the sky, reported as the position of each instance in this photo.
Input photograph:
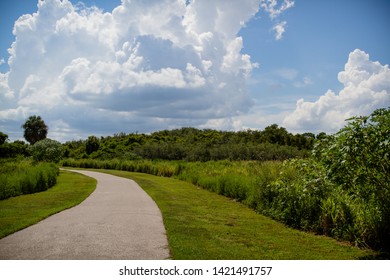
(100, 67)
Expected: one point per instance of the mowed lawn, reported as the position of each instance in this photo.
(22, 211)
(202, 225)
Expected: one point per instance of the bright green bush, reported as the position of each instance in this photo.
(344, 190)
(47, 150)
(358, 157)
(358, 160)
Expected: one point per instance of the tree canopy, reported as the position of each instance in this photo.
(194, 144)
(35, 129)
(3, 138)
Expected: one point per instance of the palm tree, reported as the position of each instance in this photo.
(35, 129)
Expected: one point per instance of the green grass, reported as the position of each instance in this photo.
(19, 177)
(19, 212)
(203, 225)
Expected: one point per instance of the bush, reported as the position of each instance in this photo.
(17, 178)
(344, 190)
(358, 160)
(47, 150)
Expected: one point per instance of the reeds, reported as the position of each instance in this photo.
(24, 177)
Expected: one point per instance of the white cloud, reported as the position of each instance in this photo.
(274, 10)
(6, 94)
(147, 65)
(279, 29)
(366, 88)
(271, 7)
(235, 62)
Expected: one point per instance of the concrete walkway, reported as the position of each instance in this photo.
(117, 221)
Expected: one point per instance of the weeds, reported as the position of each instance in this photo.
(24, 177)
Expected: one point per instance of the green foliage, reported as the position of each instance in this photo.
(357, 159)
(10, 149)
(92, 144)
(158, 168)
(295, 196)
(14, 149)
(35, 129)
(344, 190)
(47, 150)
(3, 138)
(23, 177)
(190, 144)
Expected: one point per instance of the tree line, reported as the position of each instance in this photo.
(192, 144)
(187, 143)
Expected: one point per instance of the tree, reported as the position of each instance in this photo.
(3, 138)
(35, 129)
(275, 134)
(47, 150)
(92, 144)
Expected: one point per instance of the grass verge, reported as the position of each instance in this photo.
(20, 212)
(203, 225)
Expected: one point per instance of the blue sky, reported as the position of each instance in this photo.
(231, 65)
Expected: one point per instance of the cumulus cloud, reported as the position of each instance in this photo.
(366, 88)
(146, 65)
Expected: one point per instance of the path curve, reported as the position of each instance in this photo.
(117, 221)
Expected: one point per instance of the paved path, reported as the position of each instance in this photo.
(117, 221)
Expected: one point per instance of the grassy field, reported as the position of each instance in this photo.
(19, 212)
(203, 225)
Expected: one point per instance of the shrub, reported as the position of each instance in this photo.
(344, 190)
(47, 150)
(357, 159)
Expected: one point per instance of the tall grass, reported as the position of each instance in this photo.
(239, 180)
(158, 168)
(24, 177)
